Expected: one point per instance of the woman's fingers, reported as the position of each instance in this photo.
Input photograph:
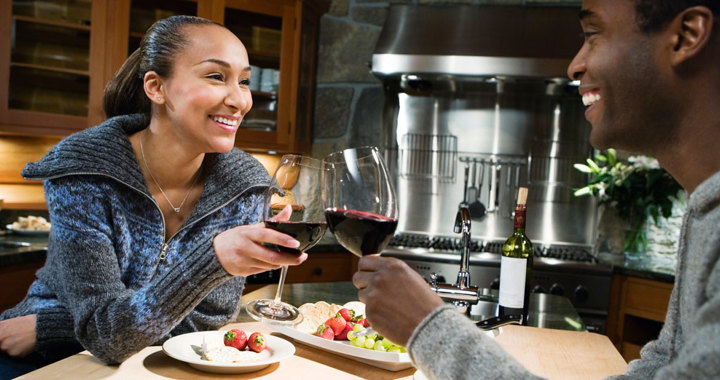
(283, 215)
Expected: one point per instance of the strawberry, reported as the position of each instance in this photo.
(256, 342)
(343, 334)
(336, 323)
(325, 332)
(235, 338)
(364, 322)
(347, 314)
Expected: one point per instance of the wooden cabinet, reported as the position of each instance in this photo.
(637, 313)
(56, 56)
(15, 280)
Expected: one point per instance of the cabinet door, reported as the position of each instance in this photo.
(45, 66)
(268, 31)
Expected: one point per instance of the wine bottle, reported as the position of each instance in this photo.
(516, 265)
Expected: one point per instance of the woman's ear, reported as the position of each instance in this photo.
(691, 30)
(152, 83)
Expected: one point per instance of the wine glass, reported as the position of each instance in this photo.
(294, 192)
(360, 204)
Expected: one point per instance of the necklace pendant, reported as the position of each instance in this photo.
(177, 209)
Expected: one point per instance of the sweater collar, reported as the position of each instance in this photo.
(106, 150)
(706, 195)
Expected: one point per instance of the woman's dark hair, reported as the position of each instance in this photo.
(124, 94)
(655, 14)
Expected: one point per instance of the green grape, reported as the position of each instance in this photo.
(351, 336)
(369, 342)
(393, 349)
(358, 327)
(359, 341)
(379, 346)
(387, 343)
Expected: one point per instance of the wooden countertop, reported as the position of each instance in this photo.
(555, 354)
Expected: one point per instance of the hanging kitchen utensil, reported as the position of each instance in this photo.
(464, 203)
(477, 209)
(472, 190)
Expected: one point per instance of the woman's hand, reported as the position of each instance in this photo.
(18, 335)
(241, 253)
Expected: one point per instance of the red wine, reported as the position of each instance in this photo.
(362, 233)
(307, 233)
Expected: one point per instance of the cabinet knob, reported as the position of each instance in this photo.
(317, 271)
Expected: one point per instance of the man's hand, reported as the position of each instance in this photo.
(397, 298)
(18, 335)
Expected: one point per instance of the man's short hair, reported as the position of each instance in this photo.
(653, 15)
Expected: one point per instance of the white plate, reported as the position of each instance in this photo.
(391, 361)
(187, 348)
(26, 232)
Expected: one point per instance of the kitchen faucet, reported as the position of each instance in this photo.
(461, 293)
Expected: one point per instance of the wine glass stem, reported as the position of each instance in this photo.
(281, 283)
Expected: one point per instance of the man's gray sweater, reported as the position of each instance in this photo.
(446, 345)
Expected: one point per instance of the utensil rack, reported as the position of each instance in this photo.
(503, 174)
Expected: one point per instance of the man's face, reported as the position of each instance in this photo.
(621, 83)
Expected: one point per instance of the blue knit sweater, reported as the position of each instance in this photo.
(105, 283)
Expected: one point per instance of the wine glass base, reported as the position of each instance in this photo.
(274, 313)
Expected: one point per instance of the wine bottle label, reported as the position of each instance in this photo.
(512, 282)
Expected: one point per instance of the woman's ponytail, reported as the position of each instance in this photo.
(124, 94)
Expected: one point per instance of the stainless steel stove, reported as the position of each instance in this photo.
(471, 113)
(567, 270)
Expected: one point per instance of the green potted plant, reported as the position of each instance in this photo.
(637, 189)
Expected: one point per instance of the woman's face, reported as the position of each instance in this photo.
(206, 95)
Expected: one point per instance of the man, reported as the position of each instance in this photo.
(655, 68)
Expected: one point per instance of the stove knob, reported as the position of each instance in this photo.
(538, 289)
(581, 293)
(557, 289)
(495, 284)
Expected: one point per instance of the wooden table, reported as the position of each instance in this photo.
(556, 354)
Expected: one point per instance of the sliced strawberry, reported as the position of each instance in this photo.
(364, 322)
(337, 324)
(347, 314)
(343, 334)
(325, 332)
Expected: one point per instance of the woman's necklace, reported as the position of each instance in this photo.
(176, 209)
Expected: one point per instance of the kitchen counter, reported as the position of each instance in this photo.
(546, 310)
(643, 267)
(554, 354)
(19, 249)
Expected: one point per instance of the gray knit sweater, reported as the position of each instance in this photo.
(446, 345)
(105, 283)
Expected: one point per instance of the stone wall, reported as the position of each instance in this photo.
(349, 100)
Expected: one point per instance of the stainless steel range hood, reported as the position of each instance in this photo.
(477, 41)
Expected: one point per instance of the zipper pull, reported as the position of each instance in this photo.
(162, 252)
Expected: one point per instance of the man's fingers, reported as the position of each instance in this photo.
(371, 263)
(361, 279)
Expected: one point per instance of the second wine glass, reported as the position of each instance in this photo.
(360, 204)
(295, 189)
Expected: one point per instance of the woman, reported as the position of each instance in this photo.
(155, 215)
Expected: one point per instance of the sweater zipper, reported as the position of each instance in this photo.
(165, 245)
